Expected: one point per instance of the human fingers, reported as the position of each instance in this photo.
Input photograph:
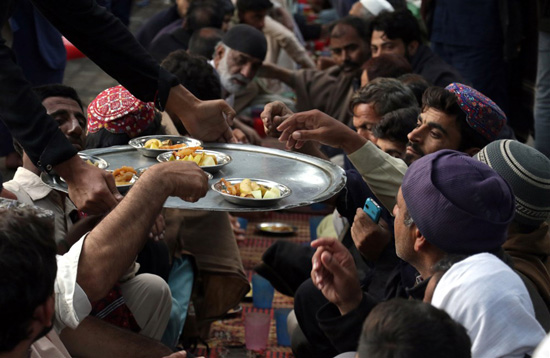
(240, 136)
(228, 112)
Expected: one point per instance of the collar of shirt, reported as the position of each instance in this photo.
(32, 183)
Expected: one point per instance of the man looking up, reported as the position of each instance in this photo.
(330, 90)
(399, 33)
(457, 117)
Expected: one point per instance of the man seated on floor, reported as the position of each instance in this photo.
(448, 204)
(330, 90)
(146, 296)
(528, 172)
(399, 33)
(32, 283)
(443, 124)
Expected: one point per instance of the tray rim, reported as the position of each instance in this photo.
(336, 174)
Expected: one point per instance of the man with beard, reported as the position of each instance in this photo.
(330, 90)
(399, 33)
(456, 117)
(237, 58)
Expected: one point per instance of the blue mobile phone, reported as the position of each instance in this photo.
(372, 209)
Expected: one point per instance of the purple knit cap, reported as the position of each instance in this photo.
(482, 114)
(459, 204)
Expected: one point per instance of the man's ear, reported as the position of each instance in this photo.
(472, 151)
(419, 240)
(412, 47)
(218, 54)
(45, 312)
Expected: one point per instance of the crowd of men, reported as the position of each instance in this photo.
(457, 265)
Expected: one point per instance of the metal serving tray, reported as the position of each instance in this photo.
(311, 179)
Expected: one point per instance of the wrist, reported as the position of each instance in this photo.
(351, 304)
(69, 168)
(353, 142)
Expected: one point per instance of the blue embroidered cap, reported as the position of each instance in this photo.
(482, 114)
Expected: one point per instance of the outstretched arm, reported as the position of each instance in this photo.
(111, 247)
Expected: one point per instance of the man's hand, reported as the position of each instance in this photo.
(320, 127)
(238, 232)
(91, 189)
(245, 133)
(335, 274)
(273, 115)
(158, 229)
(183, 179)
(369, 238)
(209, 121)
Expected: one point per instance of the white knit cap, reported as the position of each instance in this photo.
(375, 7)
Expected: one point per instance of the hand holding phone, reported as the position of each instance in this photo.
(372, 209)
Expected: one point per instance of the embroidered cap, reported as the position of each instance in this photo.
(482, 114)
(118, 111)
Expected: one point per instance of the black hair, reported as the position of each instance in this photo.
(57, 90)
(203, 42)
(396, 125)
(400, 24)
(28, 265)
(416, 83)
(194, 73)
(402, 328)
(360, 26)
(446, 102)
(387, 65)
(203, 14)
(387, 94)
(253, 5)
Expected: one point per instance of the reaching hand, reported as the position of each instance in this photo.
(209, 121)
(158, 229)
(274, 113)
(320, 127)
(369, 238)
(91, 189)
(238, 232)
(179, 178)
(335, 274)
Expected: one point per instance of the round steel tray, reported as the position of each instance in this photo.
(311, 179)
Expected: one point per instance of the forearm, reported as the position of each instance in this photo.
(95, 338)
(113, 245)
(382, 172)
(103, 38)
(269, 70)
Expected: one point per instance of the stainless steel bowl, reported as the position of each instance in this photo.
(285, 192)
(97, 161)
(222, 159)
(139, 142)
(276, 228)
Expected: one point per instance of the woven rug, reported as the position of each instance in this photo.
(226, 336)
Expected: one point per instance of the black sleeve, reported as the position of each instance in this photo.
(344, 331)
(107, 42)
(25, 117)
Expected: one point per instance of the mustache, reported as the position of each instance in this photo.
(416, 148)
(350, 64)
(240, 78)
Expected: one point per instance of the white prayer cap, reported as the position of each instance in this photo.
(375, 7)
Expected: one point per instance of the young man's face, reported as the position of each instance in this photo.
(69, 117)
(435, 130)
(254, 18)
(394, 148)
(381, 44)
(365, 119)
(349, 50)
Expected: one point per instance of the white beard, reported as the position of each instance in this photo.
(226, 78)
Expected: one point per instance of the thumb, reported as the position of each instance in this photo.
(229, 113)
(305, 135)
(110, 180)
(332, 265)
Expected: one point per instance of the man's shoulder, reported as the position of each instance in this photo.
(433, 68)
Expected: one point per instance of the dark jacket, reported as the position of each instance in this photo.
(98, 34)
(433, 68)
(151, 28)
